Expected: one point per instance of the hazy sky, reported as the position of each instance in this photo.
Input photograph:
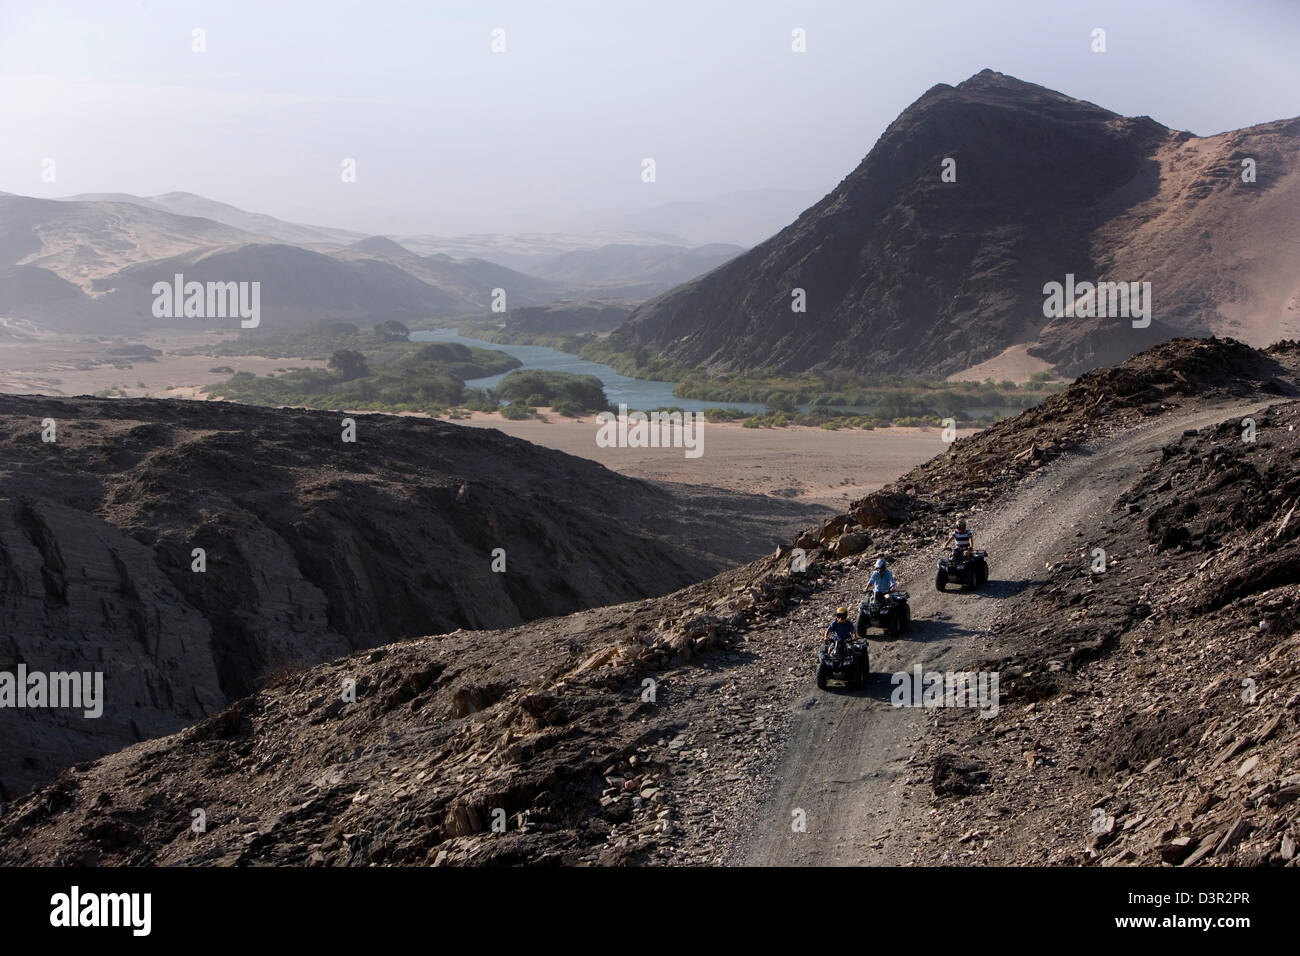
(449, 137)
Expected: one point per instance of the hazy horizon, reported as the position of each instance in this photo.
(451, 138)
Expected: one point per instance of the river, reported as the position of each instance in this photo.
(636, 393)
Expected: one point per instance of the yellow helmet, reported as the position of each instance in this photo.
(841, 612)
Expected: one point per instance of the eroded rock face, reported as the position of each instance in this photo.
(531, 744)
(312, 548)
(77, 594)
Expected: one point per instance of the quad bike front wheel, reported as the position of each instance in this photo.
(823, 672)
(940, 580)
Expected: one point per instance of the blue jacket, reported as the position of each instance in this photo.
(841, 629)
(881, 580)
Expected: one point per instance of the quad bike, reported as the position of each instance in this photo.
(966, 567)
(845, 660)
(887, 610)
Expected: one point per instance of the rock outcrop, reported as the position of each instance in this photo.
(192, 551)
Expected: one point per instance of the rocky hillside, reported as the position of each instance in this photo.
(1151, 710)
(471, 281)
(314, 547)
(259, 224)
(647, 732)
(569, 317)
(80, 241)
(298, 286)
(903, 271)
(1099, 403)
(89, 265)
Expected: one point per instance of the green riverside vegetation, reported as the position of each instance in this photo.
(381, 370)
(838, 399)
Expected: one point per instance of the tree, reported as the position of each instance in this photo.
(349, 364)
(392, 331)
(947, 404)
(780, 402)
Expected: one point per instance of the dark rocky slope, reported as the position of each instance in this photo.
(551, 724)
(314, 548)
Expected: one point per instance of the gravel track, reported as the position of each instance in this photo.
(849, 754)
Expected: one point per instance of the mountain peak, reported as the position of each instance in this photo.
(989, 77)
(1003, 85)
(381, 246)
(915, 272)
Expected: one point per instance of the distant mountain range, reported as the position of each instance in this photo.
(901, 270)
(743, 218)
(89, 264)
(188, 204)
(612, 268)
(933, 256)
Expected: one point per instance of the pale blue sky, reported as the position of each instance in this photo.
(549, 135)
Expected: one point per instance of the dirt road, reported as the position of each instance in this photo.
(843, 773)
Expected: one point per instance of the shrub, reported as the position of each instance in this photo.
(516, 411)
(567, 408)
(537, 387)
(780, 402)
(724, 414)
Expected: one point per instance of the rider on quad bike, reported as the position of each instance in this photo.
(884, 606)
(881, 581)
(966, 566)
(841, 629)
(962, 540)
(841, 656)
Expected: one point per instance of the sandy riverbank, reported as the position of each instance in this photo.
(808, 464)
(62, 365)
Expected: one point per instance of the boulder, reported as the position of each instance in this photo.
(851, 543)
(882, 509)
(808, 541)
(833, 527)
